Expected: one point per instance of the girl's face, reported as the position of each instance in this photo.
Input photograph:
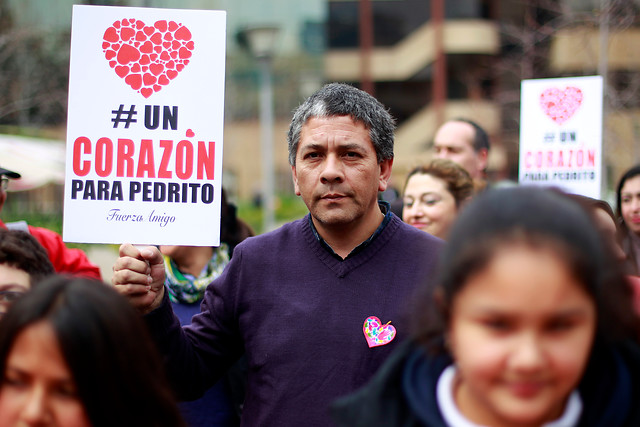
(521, 333)
(428, 205)
(630, 203)
(37, 388)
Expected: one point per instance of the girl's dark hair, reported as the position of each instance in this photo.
(631, 173)
(536, 217)
(591, 205)
(115, 366)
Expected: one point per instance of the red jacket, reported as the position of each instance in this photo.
(64, 259)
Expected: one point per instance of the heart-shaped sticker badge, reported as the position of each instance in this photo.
(147, 57)
(560, 105)
(376, 333)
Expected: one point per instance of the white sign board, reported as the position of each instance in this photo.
(561, 134)
(145, 126)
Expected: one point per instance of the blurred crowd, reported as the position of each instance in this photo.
(458, 303)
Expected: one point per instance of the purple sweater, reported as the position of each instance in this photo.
(299, 313)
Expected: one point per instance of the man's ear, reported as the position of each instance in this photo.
(385, 173)
(294, 175)
(483, 159)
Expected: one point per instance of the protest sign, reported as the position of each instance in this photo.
(145, 126)
(561, 134)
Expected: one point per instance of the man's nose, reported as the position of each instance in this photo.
(332, 169)
(442, 153)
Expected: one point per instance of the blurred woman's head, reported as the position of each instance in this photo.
(433, 195)
(525, 289)
(73, 352)
(628, 200)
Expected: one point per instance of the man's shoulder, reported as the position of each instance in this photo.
(411, 235)
(291, 231)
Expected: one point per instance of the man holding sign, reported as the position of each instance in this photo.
(317, 304)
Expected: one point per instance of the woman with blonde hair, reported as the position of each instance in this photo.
(434, 194)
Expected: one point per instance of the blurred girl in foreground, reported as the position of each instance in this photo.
(434, 194)
(532, 326)
(74, 353)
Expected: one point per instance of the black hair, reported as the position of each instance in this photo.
(540, 218)
(116, 368)
(19, 249)
(233, 230)
(340, 99)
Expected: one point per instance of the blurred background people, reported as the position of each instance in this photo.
(466, 143)
(605, 221)
(532, 325)
(74, 353)
(434, 194)
(65, 260)
(23, 263)
(189, 270)
(628, 210)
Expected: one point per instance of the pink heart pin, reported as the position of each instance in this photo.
(376, 333)
(560, 105)
(147, 57)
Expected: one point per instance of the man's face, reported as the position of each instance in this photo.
(337, 172)
(454, 141)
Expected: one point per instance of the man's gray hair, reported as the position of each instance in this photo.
(339, 99)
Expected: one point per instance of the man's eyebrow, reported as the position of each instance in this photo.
(351, 146)
(312, 146)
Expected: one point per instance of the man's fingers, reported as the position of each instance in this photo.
(140, 297)
(133, 290)
(123, 274)
(139, 275)
(127, 249)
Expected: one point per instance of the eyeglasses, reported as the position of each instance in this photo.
(4, 183)
(9, 297)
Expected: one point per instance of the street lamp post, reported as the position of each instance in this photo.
(262, 43)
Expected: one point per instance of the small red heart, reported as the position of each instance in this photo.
(163, 49)
(190, 133)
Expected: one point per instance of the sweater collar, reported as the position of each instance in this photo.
(385, 207)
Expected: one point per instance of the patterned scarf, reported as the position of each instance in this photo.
(188, 289)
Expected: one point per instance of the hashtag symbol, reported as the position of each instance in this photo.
(119, 116)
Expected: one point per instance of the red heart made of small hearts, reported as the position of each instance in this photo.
(147, 57)
(560, 105)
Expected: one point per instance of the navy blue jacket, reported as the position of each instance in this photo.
(403, 392)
